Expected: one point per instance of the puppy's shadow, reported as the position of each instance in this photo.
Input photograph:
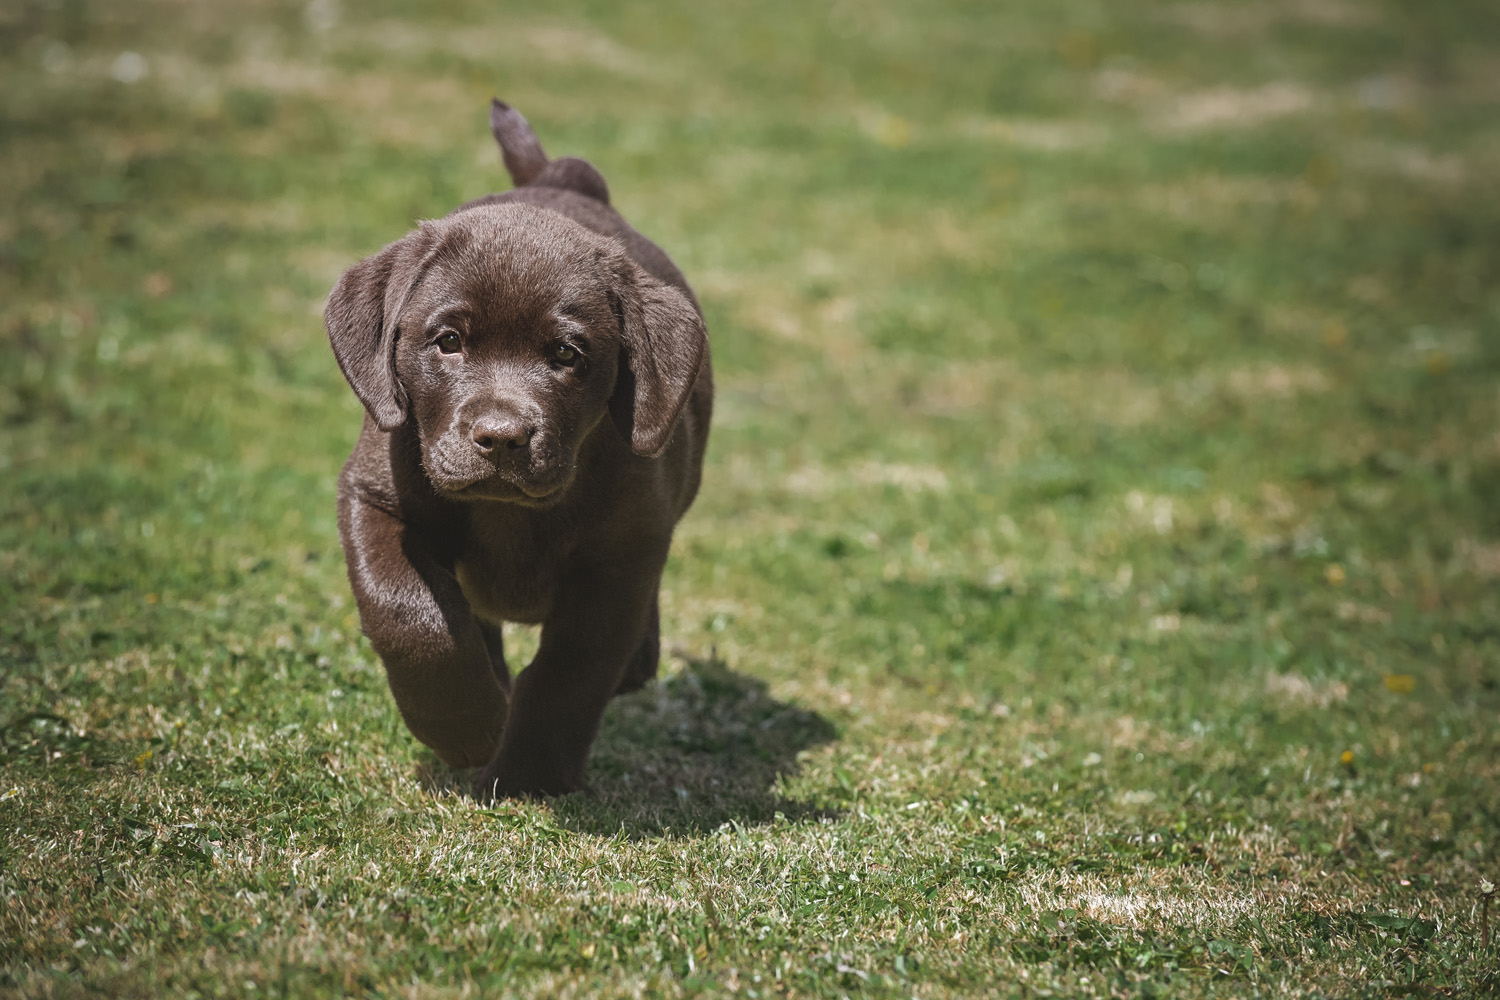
(701, 747)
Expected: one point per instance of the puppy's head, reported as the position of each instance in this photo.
(506, 333)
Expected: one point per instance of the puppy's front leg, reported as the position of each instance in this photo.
(417, 618)
(598, 622)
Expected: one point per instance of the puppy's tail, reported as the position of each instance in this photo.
(527, 162)
(523, 153)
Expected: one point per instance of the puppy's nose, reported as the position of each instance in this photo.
(501, 431)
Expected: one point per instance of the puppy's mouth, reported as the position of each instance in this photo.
(504, 486)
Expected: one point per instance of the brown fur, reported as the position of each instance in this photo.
(506, 480)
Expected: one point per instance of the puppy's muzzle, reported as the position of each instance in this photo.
(501, 435)
(504, 443)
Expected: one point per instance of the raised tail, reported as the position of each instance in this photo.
(527, 162)
(519, 146)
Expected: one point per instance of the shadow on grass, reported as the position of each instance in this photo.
(699, 748)
(702, 747)
(42, 738)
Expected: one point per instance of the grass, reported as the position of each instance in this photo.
(1094, 585)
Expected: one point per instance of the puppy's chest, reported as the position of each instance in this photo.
(510, 575)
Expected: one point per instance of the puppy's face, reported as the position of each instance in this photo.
(506, 333)
(508, 353)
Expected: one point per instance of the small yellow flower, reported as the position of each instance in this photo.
(143, 759)
(1400, 683)
(1334, 574)
(1346, 758)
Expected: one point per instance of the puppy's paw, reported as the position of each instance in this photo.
(499, 781)
(463, 754)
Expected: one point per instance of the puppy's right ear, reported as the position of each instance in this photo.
(361, 318)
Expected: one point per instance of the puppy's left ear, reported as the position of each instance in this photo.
(361, 318)
(664, 343)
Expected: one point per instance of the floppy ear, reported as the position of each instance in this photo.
(361, 319)
(663, 343)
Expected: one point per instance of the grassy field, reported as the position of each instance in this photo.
(1095, 587)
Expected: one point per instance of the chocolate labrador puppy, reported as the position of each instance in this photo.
(537, 391)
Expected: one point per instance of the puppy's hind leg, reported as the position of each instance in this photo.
(494, 642)
(643, 663)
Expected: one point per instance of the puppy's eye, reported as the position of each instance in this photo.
(449, 343)
(565, 354)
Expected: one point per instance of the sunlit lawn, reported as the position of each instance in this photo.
(1095, 586)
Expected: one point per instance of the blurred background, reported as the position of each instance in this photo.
(970, 253)
(1096, 380)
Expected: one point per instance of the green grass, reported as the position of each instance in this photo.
(1095, 586)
